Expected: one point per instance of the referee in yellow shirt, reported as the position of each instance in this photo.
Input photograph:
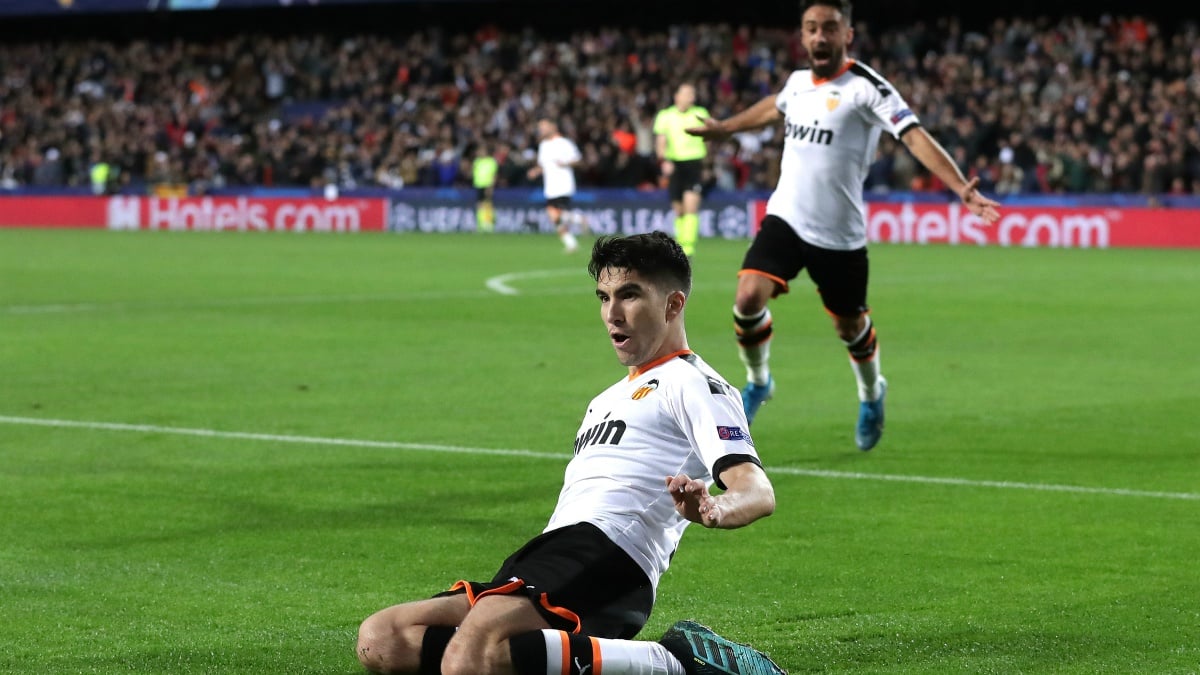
(483, 176)
(682, 158)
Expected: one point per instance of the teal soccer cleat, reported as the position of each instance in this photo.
(703, 652)
(869, 429)
(754, 395)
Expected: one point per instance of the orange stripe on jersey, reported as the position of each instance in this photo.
(566, 653)
(561, 612)
(658, 362)
(783, 285)
(818, 81)
(595, 656)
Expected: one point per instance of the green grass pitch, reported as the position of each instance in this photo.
(219, 452)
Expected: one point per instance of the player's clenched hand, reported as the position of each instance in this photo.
(709, 129)
(692, 500)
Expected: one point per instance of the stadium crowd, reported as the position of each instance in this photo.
(1030, 106)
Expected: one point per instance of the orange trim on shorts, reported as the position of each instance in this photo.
(460, 584)
(781, 285)
(566, 653)
(561, 612)
(595, 656)
(507, 589)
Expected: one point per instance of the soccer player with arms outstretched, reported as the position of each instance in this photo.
(832, 114)
(650, 446)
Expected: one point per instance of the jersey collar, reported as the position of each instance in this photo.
(658, 362)
(845, 66)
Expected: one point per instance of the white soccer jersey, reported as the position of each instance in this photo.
(831, 130)
(675, 416)
(555, 155)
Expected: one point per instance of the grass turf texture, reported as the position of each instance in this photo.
(151, 551)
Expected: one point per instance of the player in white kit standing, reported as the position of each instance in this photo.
(557, 156)
(833, 113)
(569, 601)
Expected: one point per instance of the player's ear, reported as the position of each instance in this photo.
(675, 303)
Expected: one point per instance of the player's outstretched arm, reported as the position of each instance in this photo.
(748, 497)
(935, 158)
(756, 116)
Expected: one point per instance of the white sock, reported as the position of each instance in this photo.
(755, 357)
(866, 372)
(568, 240)
(619, 657)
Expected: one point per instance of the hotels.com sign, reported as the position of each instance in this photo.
(245, 214)
(910, 223)
(899, 222)
(1028, 226)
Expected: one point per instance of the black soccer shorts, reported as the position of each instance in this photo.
(777, 252)
(577, 579)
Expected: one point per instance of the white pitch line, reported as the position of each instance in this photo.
(396, 445)
(280, 300)
(275, 438)
(500, 283)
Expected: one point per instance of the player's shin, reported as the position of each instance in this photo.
(864, 360)
(687, 232)
(554, 652)
(754, 344)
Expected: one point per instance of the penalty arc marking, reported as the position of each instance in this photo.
(502, 283)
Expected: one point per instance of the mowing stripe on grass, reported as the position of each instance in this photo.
(495, 285)
(68, 308)
(397, 445)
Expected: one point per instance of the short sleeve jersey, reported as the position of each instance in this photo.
(675, 416)
(681, 146)
(555, 156)
(831, 131)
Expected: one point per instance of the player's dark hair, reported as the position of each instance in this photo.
(842, 6)
(654, 255)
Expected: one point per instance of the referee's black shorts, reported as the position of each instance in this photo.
(577, 579)
(687, 177)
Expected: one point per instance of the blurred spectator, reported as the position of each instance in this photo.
(1065, 105)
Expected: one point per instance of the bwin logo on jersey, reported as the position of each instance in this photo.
(608, 432)
(812, 134)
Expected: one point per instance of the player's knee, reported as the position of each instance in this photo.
(849, 328)
(370, 646)
(750, 300)
(381, 647)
